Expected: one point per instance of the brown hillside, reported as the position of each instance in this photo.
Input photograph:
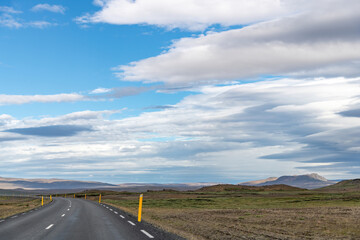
(344, 186)
(234, 188)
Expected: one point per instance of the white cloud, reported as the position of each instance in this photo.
(101, 90)
(188, 14)
(309, 44)
(8, 9)
(40, 24)
(7, 20)
(104, 94)
(22, 99)
(50, 8)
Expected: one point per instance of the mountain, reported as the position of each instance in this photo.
(344, 186)
(46, 184)
(308, 181)
(256, 182)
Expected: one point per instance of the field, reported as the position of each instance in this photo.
(246, 213)
(13, 205)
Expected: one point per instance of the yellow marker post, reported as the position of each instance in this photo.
(140, 207)
(100, 198)
(85, 196)
(50, 198)
(42, 200)
(74, 195)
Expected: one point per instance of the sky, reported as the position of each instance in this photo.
(159, 91)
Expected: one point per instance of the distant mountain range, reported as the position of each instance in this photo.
(31, 184)
(51, 185)
(308, 181)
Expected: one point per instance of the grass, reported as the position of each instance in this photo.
(13, 205)
(247, 214)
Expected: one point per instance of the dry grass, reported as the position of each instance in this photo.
(13, 205)
(248, 214)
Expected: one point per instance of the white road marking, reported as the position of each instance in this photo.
(147, 234)
(13, 216)
(122, 216)
(131, 223)
(116, 212)
(23, 213)
(107, 207)
(68, 209)
(111, 209)
(2, 221)
(50, 226)
(63, 215)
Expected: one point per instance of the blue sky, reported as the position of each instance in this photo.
(180, 91)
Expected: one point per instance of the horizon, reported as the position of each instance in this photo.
(119, 91)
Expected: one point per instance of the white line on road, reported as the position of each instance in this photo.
(131, 223)
(13, 216)
(147, 234)
(2, 221)
(63, 215)
(23, 213)
(111, 209)
(68, 209)
(50, 226)
(122, 216)
(116, 212)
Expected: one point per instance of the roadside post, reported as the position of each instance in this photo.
(42, 200)
(140, 207)
(85, 196)
(74, 195)
(50, 198)
(100, 198)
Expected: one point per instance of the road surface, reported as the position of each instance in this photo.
(77, 219)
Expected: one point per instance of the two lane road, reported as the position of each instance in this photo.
(78, 219)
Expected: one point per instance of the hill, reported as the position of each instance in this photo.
(234, 188)
(308, 181)
(346, 186)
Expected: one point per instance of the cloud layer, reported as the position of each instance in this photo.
(287, 125)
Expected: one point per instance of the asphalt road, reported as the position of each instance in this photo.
(78, 219)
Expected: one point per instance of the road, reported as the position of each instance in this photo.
(77, 219)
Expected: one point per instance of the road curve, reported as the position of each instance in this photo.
(78, 219)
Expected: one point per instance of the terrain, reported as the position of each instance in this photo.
(38, 186)
(240, 212)
(11, 205)
(308, 181)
